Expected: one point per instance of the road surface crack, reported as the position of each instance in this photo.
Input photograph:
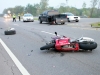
(84, 63)
(12, 70)
(6, 61)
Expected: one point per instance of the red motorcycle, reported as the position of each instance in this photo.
(65, 44)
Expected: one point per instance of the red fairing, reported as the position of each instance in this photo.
(65, 45)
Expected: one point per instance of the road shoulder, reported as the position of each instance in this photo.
(7, 66)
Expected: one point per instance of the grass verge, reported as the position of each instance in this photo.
(35, 18)
(95, 25)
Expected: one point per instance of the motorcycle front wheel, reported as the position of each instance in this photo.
(48, 46)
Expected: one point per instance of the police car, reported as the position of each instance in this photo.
(71, 17)
(28, 17)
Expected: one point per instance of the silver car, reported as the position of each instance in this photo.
(28, 18)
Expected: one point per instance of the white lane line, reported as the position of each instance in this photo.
(15, 60)
(49, 33)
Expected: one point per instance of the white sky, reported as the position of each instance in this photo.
(55, 3)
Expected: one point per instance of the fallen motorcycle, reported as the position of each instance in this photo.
(65, 44)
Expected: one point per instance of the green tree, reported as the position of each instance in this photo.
(62, 8)
(5, 11)
(73, 10)
(51, 8)
(93, 4)
(33, 9)
(98, 10)
(37, 9)
(29, 8)
(18, 9)
(84, 9)
(43, 5)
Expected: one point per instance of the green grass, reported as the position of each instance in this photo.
(96, 25)
(35, 18)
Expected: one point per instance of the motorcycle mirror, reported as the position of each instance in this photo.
(56, 33)
(64, 36)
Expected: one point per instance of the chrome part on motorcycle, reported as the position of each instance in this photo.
(85, 39)
(87, 43)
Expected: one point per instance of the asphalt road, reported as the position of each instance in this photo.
(30, 36)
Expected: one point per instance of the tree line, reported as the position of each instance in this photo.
(36, 9)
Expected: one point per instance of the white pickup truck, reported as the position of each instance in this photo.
(70, 17)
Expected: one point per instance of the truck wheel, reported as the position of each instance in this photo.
(40, 21)
(33, 21)
(56, 23)
(50, 23)
(63, 23)
(23, 21)
(48, 46)
(88, 46)
(77, 20)
(68, 20)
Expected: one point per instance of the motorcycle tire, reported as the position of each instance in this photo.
(48, 46)
(10, 32)
(88, 45)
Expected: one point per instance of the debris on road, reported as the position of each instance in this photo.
(8, 38)
(10, 31)
(54, 66)
(29, 54)
(61, 54)
(31, 50)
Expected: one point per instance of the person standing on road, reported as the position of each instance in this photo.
(19, 16)
(14, 17)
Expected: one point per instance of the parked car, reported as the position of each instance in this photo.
(28, 17)
(71, 17)
(52, 17)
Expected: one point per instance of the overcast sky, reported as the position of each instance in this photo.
(55, 3)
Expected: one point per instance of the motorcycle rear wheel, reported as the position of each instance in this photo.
(48, 46)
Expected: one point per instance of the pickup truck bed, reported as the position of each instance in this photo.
(60, 18)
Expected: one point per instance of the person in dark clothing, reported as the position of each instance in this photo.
(14, 17)
(19, 16)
